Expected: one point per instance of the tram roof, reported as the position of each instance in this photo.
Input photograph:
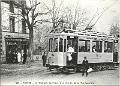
(83, 33)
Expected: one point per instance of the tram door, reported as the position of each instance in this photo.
(72, 42)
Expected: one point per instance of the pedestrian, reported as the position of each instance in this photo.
(94, 49)
(24, 57)
(14, 57)
(70, 50)
(19, 57)
(85, 66)
(44, 57)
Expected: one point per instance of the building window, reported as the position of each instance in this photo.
(84, 45)
(12, 24)
(18, 20)
(5, 16)
(12, 19)
(23, 26)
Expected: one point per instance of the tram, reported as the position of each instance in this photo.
(96, 46)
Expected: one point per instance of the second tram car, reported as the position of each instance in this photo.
(96, 46)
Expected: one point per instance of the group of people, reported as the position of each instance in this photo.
(21, 57)
(16, 57)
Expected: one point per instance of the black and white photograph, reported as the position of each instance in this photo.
(59, 42)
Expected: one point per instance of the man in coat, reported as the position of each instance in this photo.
(85, 66)
(44, 58)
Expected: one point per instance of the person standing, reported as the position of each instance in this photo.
(85, 66)
(44, 57)
(19, 57)
(70, 50)
(24, 58)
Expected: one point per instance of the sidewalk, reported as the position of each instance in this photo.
(32, 67)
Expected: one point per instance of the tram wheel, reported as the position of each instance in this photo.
(107, 67)
(56, 70)
(103, 68)
(79, 69)
(65, 70)
(75, 70)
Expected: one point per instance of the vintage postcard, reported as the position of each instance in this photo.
(59, 42)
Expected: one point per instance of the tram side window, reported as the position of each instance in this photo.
(56, 45)
(50, 44)
(97, 46)
(84, 46)
(108, 46)
(61, 45)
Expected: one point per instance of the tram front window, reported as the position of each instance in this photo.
(54, 47)
(84, 46)
(56, 44)
(50, 44)
(64, 45)
(61, 45)
(108, 46)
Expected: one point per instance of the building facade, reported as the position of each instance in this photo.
(0, 32)
(13, 32)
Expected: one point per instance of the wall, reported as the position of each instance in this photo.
(0, 32)
(5, 26)
(6, 18)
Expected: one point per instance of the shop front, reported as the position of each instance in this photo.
(16, 50)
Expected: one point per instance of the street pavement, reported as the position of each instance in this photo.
(14, 69)
(36, 74)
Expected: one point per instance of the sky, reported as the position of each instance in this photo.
(109, 17)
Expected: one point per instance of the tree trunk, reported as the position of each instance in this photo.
(30, 50)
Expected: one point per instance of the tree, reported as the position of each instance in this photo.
(29, 14)
(40, 36)
(75, 17)
(56, 14)
(114, 30)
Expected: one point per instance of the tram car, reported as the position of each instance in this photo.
(95, 46)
